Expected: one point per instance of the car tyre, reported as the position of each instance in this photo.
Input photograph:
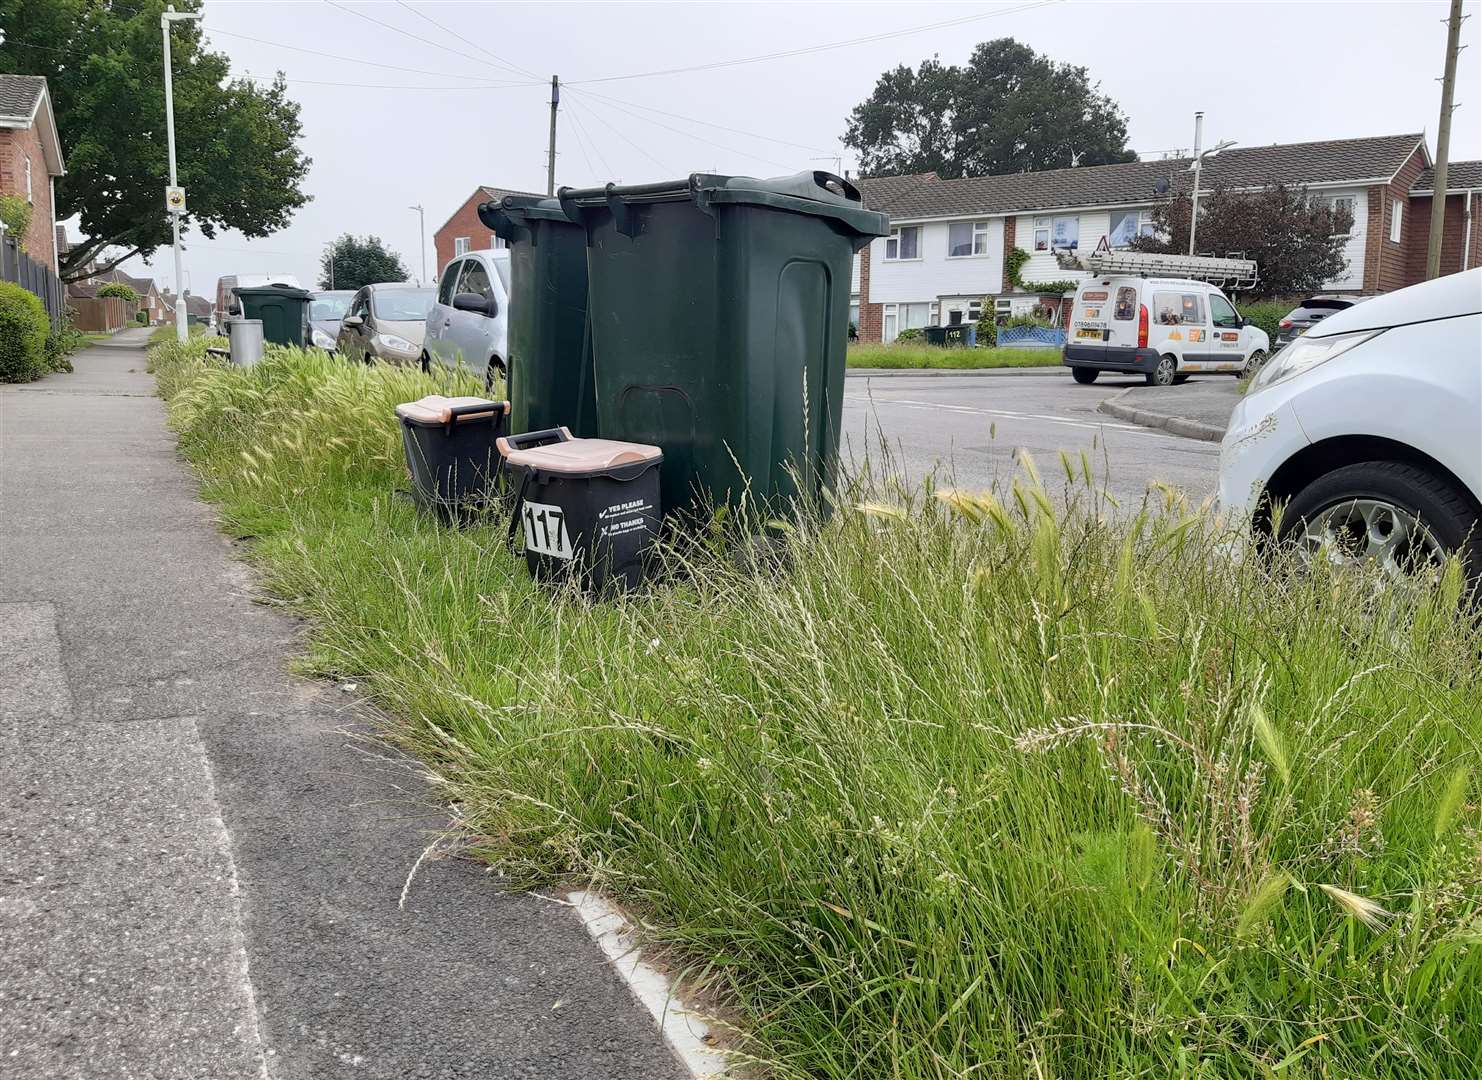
(1435, 503)
(1165, 372)
(495, 370)
(1084, 376)
(1179, 380)
(426, 364)
(1253, 363)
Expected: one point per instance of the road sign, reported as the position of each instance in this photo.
(175, 200)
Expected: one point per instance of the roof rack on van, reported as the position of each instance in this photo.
(1229, 273)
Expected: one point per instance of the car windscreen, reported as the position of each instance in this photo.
(324, 308)
(501, 267)
(402, 305)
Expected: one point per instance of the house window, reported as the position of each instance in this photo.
(460, 245)
(887, 327)
(904, 243)
(967, 238)
(1065, 233)
(1343, 202)
(1128, 225)
(974, 310)
(1041, 234)
(1397, 222)
(495, 243)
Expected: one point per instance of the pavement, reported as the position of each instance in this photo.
(965, 430)
(1199, 409)
(202, 856)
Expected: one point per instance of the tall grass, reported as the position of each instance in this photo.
(959, 785)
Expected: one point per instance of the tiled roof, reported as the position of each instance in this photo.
(1331, 162)
(19, 94)
(1460, 175)
(495, 194)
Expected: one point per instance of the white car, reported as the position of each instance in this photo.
(1165, 329)
(468, 325)
(1369, 429)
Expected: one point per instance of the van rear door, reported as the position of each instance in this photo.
(1090, 320)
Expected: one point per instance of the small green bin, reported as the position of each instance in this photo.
(720, 319)
(551, 383)
(283, 309)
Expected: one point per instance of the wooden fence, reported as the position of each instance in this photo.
(102, 312)
(18, 267)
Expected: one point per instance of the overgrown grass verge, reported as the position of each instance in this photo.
(958, 787)
(935, 356)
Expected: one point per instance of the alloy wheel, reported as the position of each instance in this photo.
(1371, 530)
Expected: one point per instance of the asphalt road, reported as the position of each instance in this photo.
(966, 429)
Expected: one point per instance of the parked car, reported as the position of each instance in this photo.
(227, 303)
(326, 309)
(1165, 329)
(385, 322)
(1369, 429)
(1309, 313)
(468, 325)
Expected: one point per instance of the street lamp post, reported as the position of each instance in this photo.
(421, 239)
(173, 204)
(1199, 156)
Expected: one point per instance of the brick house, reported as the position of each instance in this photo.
(464, 231)
(1461, 243)
(151, 300)
(31, 158)
(950, 239)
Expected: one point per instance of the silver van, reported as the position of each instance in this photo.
(469, 321)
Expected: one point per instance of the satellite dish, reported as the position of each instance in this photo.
(1161, 187)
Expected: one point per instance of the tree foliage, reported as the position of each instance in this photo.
(120, 290)
(236, 142)
(1296, 239)
(15, 213)
(360, 261)
(1009, 109)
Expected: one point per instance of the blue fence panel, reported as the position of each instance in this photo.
(1031, 337)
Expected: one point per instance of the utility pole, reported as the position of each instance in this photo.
(421, 239)
(1198, 160)
(550, 164)
(330, 246)
(1443, 143)
(174, 196)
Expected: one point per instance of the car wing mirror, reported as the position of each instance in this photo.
(467, 301)
(352, 321)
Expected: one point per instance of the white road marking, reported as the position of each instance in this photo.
(1009, 414)
(688, 1035)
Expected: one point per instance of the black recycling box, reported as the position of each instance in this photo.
(451, 456)
(585, 506)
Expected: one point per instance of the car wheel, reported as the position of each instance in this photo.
(1401, 516)
(495, 370)
(1165, 372)
(1253, 362)
(1083, 375)
(1179, 380)
(426, 364)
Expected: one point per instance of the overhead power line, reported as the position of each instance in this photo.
(960, 20)
(690, 135)
(407, 33)
(350, 59)
(707, 123)
(468, 41)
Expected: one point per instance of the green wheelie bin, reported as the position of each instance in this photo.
(720, 319)
(551, 384)
(283, 309)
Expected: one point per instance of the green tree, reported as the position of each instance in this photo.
(15, 213)
(1296, 239)
(359, 261)
(1009, 109)
(236, 141)
(120, 290)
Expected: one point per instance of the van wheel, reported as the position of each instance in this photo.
(1253, 363)
(1084, 375)
(1165, 372)
(495, 370)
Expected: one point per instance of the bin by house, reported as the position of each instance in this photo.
(720, 315)
(283, 309)
(450, 449)
(551, 382)
(934, 335)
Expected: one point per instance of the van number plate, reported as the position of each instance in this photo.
(545, 530)
(1089, 332)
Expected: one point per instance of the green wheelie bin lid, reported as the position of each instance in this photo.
(283, 309)
(720, 319)
(551, 382)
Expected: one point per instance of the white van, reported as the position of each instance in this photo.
(1164, 329)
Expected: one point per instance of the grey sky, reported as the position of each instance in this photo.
(1262, 73)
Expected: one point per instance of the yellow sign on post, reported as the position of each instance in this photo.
(175, 200)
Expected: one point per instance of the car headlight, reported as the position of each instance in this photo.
(1305, 353)
(322, 340)
(395, 344)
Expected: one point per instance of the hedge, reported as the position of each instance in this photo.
(24, 329)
